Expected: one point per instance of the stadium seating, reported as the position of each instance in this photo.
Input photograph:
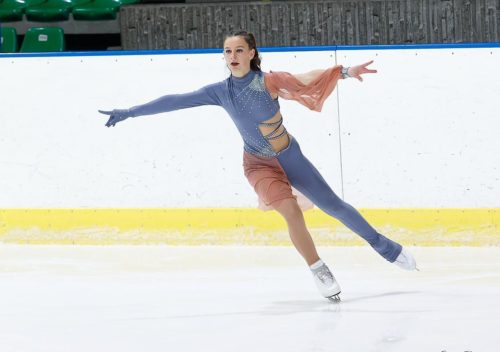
(59, 10)
(13, 10)
(52, 10)
(65, 14)
(43, 40)
(8, 40)
(99, 9)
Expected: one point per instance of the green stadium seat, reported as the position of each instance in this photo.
(43, 40)
(99, 9)
(52, 10)
(8, 40)
(13, 10)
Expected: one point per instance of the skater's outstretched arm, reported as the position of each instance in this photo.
(308, 77)
(312, 88)
(203, 96)
(354, 72)
(359, 70)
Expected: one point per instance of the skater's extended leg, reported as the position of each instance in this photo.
(306, 178)
(302, 240)
(299, 234)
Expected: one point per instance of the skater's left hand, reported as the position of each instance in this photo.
(116, 116)
(357, 71)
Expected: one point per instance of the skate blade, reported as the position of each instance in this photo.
(334, 298)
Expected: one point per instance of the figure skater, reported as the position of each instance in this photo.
(272, 159)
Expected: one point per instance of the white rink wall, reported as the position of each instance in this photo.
(422, 133)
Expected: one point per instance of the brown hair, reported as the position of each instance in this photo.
(252, 44)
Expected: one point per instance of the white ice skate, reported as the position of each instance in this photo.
(325, 281)
(406, 261)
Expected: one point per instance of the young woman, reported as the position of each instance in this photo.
(273, 161)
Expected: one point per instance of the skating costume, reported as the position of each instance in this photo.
(249, 103)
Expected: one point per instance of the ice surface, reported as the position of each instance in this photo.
(161, 298)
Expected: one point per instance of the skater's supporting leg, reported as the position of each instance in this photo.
(302, 240)
(306, 178)
(299, 234)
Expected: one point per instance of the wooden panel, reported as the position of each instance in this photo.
(297, 23)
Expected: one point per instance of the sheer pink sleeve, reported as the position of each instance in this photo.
(312, 95)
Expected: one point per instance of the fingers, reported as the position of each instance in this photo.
(112, 119)
(367, 63)
(111, 122)
(367, 70)
(109, 113)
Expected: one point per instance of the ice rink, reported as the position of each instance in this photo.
(161, 298)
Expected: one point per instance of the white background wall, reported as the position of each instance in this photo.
(424, 132)
(420, 133)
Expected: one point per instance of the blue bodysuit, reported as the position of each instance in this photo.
(249, 104)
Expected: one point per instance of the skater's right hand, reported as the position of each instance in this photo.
(357, 71)
(116, 116)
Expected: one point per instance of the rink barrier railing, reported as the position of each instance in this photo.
(261, 49)
(425, 227)
(241, 226)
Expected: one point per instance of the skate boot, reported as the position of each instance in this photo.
(325, 281)
(406, 261)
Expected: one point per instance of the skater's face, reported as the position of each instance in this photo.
(238, 55)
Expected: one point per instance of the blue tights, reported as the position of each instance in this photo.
(306, 179)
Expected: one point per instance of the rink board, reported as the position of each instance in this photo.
(420, 227)
(413, 147)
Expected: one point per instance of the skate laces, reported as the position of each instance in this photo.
(324, 274)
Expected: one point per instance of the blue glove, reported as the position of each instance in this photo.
(116, 116)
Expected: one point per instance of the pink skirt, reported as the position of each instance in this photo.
(270, 182)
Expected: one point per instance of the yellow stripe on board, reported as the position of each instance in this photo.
(421, 227)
